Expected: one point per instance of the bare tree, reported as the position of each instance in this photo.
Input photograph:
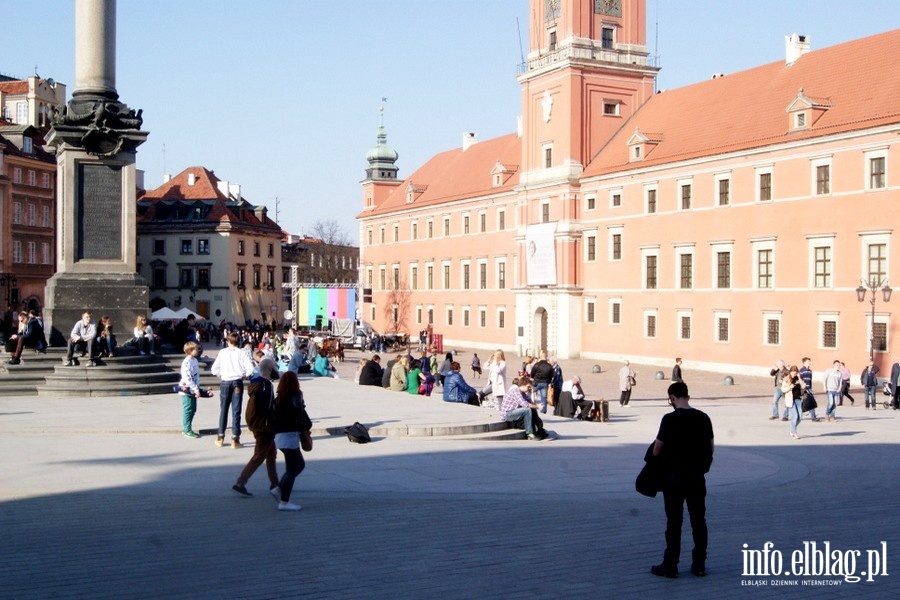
(330, 232)
(397, 307)
(326, 255)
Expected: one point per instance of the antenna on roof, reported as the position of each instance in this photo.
(164, 158)
(521, 51)
(277, 209)
(381, 109)
(656, 42)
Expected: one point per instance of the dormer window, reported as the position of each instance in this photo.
(501, 173)
(413, 191)
(27, 145)
(804, 111)
(642, 144)
(611, 108)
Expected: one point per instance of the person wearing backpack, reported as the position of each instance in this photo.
(260, 420)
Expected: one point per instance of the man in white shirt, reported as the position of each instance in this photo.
(83, 334)
(231, 366)
(573, 386)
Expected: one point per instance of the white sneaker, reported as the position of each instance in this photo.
(276, 493)
(288, 506)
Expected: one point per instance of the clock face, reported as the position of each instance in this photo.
(611, 8)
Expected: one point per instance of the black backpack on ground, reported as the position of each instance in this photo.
(357, 433)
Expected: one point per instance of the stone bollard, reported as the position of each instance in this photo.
(660, 375)
(729, 380)
(595, 369)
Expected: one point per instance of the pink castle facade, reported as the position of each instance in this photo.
(728, 222)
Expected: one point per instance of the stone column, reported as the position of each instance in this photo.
(95, 48)
(95, 138)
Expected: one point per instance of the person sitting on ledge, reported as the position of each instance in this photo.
(323, 367)
(143, 335)
(371, 372)
(83, 334)
(456, 389)
(516, 408)
(299, 363)
(30, 334)
(572, 397)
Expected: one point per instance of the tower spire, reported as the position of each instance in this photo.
(381, 157)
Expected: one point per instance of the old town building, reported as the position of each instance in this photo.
(27, 191)
(27, 217)
(203, 246)
(729, 222)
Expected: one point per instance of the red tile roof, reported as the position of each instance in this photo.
(457, 174)
(14, 87)
(748, 109)
(205, 189)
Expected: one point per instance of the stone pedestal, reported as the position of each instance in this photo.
(118, 295)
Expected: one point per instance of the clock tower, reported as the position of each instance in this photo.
(588, 70)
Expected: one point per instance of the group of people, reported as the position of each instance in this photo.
(277, 418)
(537, 382)
(795, 385)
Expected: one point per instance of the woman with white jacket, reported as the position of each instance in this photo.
(496, 379)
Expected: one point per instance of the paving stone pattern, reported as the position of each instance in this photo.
(103, 498)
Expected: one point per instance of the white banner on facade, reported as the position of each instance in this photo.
(540, 254)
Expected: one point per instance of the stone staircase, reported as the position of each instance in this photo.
(127, 375)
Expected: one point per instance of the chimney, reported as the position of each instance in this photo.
(167, 178)
(139, 179)
(192, 179)
(795, 46)
(234, 190)
(469, 139)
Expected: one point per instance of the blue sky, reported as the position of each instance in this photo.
(282, 96)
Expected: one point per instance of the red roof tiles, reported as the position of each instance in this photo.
(748, 109)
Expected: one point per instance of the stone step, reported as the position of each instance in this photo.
(97, 389)
(62, 376)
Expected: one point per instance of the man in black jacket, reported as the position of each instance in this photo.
(541, 376)
(371, 373)
(684, 447)
(260, 420)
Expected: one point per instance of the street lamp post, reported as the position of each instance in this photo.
(873, 286)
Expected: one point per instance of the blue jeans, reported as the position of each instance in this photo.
(231, 393)
(795, 416)
(870, 394)
(832, 402)
(541, 389)
(778, 395)
(521, 413)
